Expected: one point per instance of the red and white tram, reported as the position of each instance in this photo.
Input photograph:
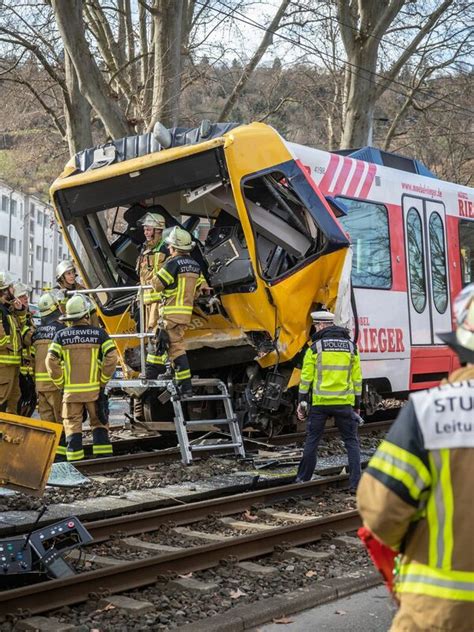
(413, 251)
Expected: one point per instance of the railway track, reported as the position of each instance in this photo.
(303, 529)
(148, 454)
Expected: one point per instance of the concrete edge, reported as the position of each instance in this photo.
(247, 616)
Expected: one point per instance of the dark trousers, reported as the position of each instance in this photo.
(347, 427)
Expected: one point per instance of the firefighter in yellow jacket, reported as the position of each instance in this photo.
(80, 361)
(416, 495)
(49, 396)
(152, 256)
(27, 401)
(12, 328)
(178, 281)
(331, 384)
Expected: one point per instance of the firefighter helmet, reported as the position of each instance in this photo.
(180, 239)
(47, 304)
(77, 307)
(21, 289)
(65, 266)
(5, 280)
(153, 220)
(462, 339)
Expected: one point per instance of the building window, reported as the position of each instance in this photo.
(60, 252)
(416, 260)
(45, 255)
(20, 248)
(32, 226)
(32, 210)
(37, 286)
(39, 218)
(5, 201)
(21, 210)
(13, 246)
(3, 243)
(367, 225)
(60, 239)
(38, 253)
(13, 207)
(30, 277)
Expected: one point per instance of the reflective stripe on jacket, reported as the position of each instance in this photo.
(42, 338)
(81, 360)
(416, 496)
(10, 337)
(151, 259)
(178, 281)
(331, 370)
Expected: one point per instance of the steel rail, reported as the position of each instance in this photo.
(167, 455)
(58, 593)
(147, 521)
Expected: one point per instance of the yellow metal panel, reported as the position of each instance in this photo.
(27, 451)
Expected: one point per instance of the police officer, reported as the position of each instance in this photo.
(80, 361)
(416, 494)
(177, 281)
(12, 328)
(49, 397)
(331, 383)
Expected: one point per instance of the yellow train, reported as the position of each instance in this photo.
(270, 243)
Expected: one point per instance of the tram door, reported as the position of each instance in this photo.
(427, 270)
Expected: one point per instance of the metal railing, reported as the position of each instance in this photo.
(141, 335)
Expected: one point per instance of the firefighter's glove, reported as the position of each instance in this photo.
(162, 342)
(103, 407)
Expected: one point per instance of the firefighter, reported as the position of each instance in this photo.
(80, 361)
(416, 494)
(12, 328)
(331, 385)
(49, 397)
(177, 281)
(152, 256)
(67, 282)
(27, 401)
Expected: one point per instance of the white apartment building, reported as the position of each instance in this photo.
(31, 244)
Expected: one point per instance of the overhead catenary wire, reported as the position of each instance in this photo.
(311, 49)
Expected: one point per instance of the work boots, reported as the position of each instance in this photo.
(182, 374)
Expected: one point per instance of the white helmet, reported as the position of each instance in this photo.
(47, 304)
(21, 289)
(153, 220)
(5, 280)
(77, 307)
(462, 339)
(180, 239)
(65, 266)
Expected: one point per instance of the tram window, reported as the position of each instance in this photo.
(367, 225)
(416, 258)
(466, 245)
(439, 279)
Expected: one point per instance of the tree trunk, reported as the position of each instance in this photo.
(90, 80)
(360, 99)
(77, 112)
(167, 17)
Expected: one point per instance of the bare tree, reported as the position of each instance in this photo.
(364, 24)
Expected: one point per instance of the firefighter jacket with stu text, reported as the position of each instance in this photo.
(331, 373)
(81, 360)
(13, 327)
(150, 260)
(178, 281)
(416, 497)
(40, 341)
